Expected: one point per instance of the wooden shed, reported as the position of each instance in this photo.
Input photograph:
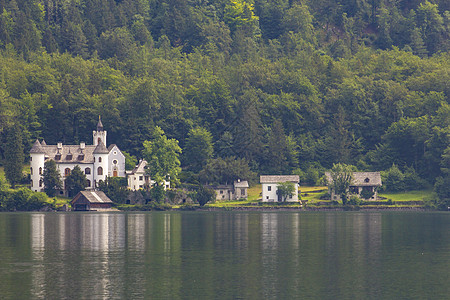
(91, 200)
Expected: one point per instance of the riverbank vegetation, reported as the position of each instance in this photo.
(282, 87)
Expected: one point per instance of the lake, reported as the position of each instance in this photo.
(225, 255)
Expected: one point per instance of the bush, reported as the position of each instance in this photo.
(366, 194)
(442, 191)
(354, 200)
(393, 179)
(22, 199)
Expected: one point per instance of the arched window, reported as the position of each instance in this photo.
(115, 173)
(88, 183)
(98, 141)
(99, 159)
(100, 171)
(40, 171)
(87, 171)
(40, 183)
(31, 171)
(66, 171)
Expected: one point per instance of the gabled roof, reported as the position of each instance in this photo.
(61, 155)
(101, 148)
(241, 184)
(37, 148)
(361, 178)
(140, 168)
(92, 197)
(279, 178)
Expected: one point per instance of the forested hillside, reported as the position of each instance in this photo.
(287, 86)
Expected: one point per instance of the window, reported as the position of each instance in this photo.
(88, 183)
(31, 159)
(140, 186)
(269, 188)
(141, 178)
(40, 183)
(87, 171)
(31, 171)
(40, 171)
(99, 140)
(115, 152)
(221, 192)
(31, 183)
(242, 192)
(115, 161)
(66, 172)
(99, 159)
(100, 171)
(94, 159)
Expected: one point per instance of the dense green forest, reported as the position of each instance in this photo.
(286, 86)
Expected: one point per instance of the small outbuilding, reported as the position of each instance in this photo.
(91, 200)
(235, 191)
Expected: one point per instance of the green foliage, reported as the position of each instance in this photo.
(198, 149)
(162, 155)
(355, 200)
(393, 179)
(285, 190)
(22, 199)
(205, 195)
(51, 178)
(115, 188)
(442, 190)
(282, 84)
(76, 181)
(341, 178)
(130, 161)
(14, 156)
(226, 170)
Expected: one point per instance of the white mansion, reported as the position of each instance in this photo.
(96, 161)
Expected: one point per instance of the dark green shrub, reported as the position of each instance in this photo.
(354, 200)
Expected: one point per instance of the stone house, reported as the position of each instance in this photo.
(362, 181)
(237, 190)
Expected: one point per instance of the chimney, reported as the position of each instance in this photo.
(59, 146)
(82, 145)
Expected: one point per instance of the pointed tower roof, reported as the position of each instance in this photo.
(101, 148)
(37, 148)
(43, 143)
(99, 124)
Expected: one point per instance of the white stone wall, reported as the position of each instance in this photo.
(271, 196)
(36, 163)
(115, 155)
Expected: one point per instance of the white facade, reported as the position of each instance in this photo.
(96, 161)
(138, 178)
(269, 185)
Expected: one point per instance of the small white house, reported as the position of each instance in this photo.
(138, 179)
(269, 185)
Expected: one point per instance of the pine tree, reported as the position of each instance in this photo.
(76, 181)
(14, 156)
(51, 178)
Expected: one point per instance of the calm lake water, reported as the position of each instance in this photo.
(225, 255)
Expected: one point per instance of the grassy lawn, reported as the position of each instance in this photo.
(408, 196)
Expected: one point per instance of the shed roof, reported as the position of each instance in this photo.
(362, 178)
(279, 178)
(92, 197)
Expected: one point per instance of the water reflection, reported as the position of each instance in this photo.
(222, 255)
